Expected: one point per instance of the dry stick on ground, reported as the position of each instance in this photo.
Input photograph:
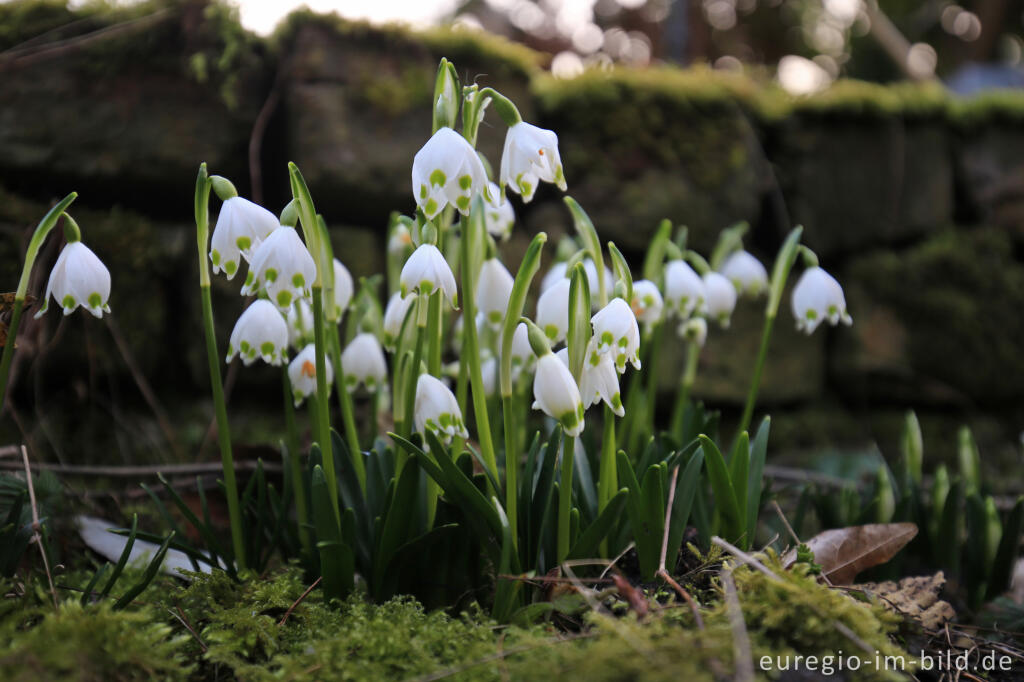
(144, 388)
(743, 670)
(796, 538)
(664, 574)
(184, 621)
(35, 523)
(284, 619)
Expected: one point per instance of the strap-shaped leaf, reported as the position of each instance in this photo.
(122, 561)
(147, 577)
(590, 539)
(721, 485)
(739, 473)
(755, 477)
(1006, 554)
(686, 491)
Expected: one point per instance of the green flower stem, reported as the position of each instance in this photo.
(651, 372)
(413, 371)
(462, 381)
(565, 497)
(202, 203)
(517, 301)
(347, 414)
(43, 229)
(780, 273)
(470, 342)
(323, 420)
(294, 464)
(434, 334)
(608, 478)
(685, 386)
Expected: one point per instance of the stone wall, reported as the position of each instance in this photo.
(914, 200)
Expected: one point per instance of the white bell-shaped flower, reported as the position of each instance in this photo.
(617, 333)
(493, 290)
(499, 218)
(78, 278)
(592, 282)
(599, 379)
(817, 296)
(394, 316)
(400, 239)
(302, 374)
(241, 228)
(554, 275)
(694, 330)
(720, 297)
(684, 289)
(426, 271)
(447, 170)
(343, 288)
(300, 324)
(647, 303)
(489, 373)
(437, 410)
(261, 332)
(746, 273)
(553, 311)
(523, 359)
(282, 267)
(363, 363)
(556, 394)
(530, 156)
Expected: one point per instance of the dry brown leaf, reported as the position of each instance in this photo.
(845, 552)
(916, 598)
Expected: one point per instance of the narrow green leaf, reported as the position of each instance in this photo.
(590, 539)
(147, 577)
(123, 559)
(755, 480)
(686, 491)
(1006, 554)
(725, 496)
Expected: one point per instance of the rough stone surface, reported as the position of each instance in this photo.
(992, 170)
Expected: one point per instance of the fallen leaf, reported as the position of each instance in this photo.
(916, 597)
(842, 553)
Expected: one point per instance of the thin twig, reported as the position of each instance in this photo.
(785, 522)
(745, 558)
(743, 670)
(35, 523)
(284, 619)
(668, 519)
(687, 597)
(614, 561)
(184, 621)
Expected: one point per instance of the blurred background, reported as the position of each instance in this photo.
(894, 132)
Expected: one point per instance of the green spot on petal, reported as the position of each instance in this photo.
(270, 275)
(284, 299)
(465, 182)
(607, 338)
(245, 347)
(215, 257)
(424, 192)
(243, 243)
(551, 331)
(95, 300)
(462, 203)
(430, 208)
(438, 178)
(231, 267)
(267, 348)
(298, 281)
(68, 301)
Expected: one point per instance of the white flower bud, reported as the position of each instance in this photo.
(343, 288)
(282, 267)
(78, 278)
(394, 316)
(556, 394)
(556, 273)
(447, 169)
(553, 311)
(720, 298)
(684, 289)
(241, 228)
(746, 273)
(437, 410)
(817, 296)
(522, 353)
(499, 218)
(426, 271)
(261, 332)
(302, 374)
(616, 332)
(530, 155)
(363, 363)
(493, 290)
(647, 303)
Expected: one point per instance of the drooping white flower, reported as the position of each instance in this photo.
(282, 267)
(530, 156)
(720, 298)
(616, 332)
(300, 324)
(553, 311)
(302, 374)
(363, 363)
(556, 394)
(746, 273)
(437, 410)
(78, 278)
(426, 271)
(499, 218)
(261, 332)
(694, 330)
(599, 380)
(684, 289)
(647, 303)
(554, 275)
(817, 296)
(447, 169)
(343, 288)
(522, 353)
(400, 239)
(493, 290)
(394, 316)
(241, 228)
